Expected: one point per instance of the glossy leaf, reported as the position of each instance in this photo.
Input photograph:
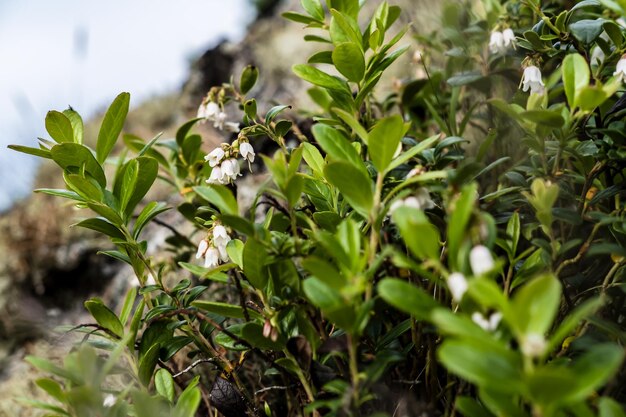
(407, 298)
(59, 127)
(105, 317)
(355, 186)
(383, 141)
(349, 61)
(112, 126)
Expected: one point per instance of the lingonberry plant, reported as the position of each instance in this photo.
(454, 246)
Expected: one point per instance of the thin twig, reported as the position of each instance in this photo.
(272, 388)
(193, 365)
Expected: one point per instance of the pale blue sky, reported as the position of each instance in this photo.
(84, 52)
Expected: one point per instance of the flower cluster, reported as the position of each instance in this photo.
(532, 79)
(224, 161)
(481, 262)
(213, 247)
(213, 112)
(421, 200)
(490, 324)
(501, 41)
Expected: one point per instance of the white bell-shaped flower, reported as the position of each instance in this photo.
(216, 176)
(219, 120)
(211, 258)
(109, 401)
(496, 42)
(247, 151)
(481, 260)
(202, 248)
(231, 127)
(533, 345)
(532, 80)
(457, 284)
(488, 324)
(620, 68)
(215, 156)
(230, 170)
(508, 38)
(220, 236)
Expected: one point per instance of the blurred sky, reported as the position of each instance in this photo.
(84, 52)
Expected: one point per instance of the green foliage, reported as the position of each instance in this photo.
(453, 234)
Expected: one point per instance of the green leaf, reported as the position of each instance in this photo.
(313, 159)
(330, 302)
(293, 189)
(594, 369)
(353, 183)
(586, 30)
(104, 316)
(349, 7)
(544, 117)
(457, 223)
(253, 334)
(164, 384)
(349, 61)
(591, 97)
(42, 153)
(234, 248)
(102, 226)
(344, 28)
(485, 365)
(74, 155)
(220, 196)
(254, 267)
(275, 111)
(420, 236)
(148, 169)
(249, 75)
(354, 124)
(59, 127)
(112, 126)
(314, 8)
(301, 18)
(535, 305)
(149, 212)
(60, 193)
(335, 144)
(383, 141)
(52, 387)
(464, 79)
(188, 402)
(572, 320)
(407, 298)
(223, 309)
(147, 363)
(469, 407)
(129, 180)
(415, 150)
(575, 73)
(608, 407)
(77, 124)
(549, 385)
(320, 78)
(127, 307)
(48, 367)
(184, 130)
(86, 187)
